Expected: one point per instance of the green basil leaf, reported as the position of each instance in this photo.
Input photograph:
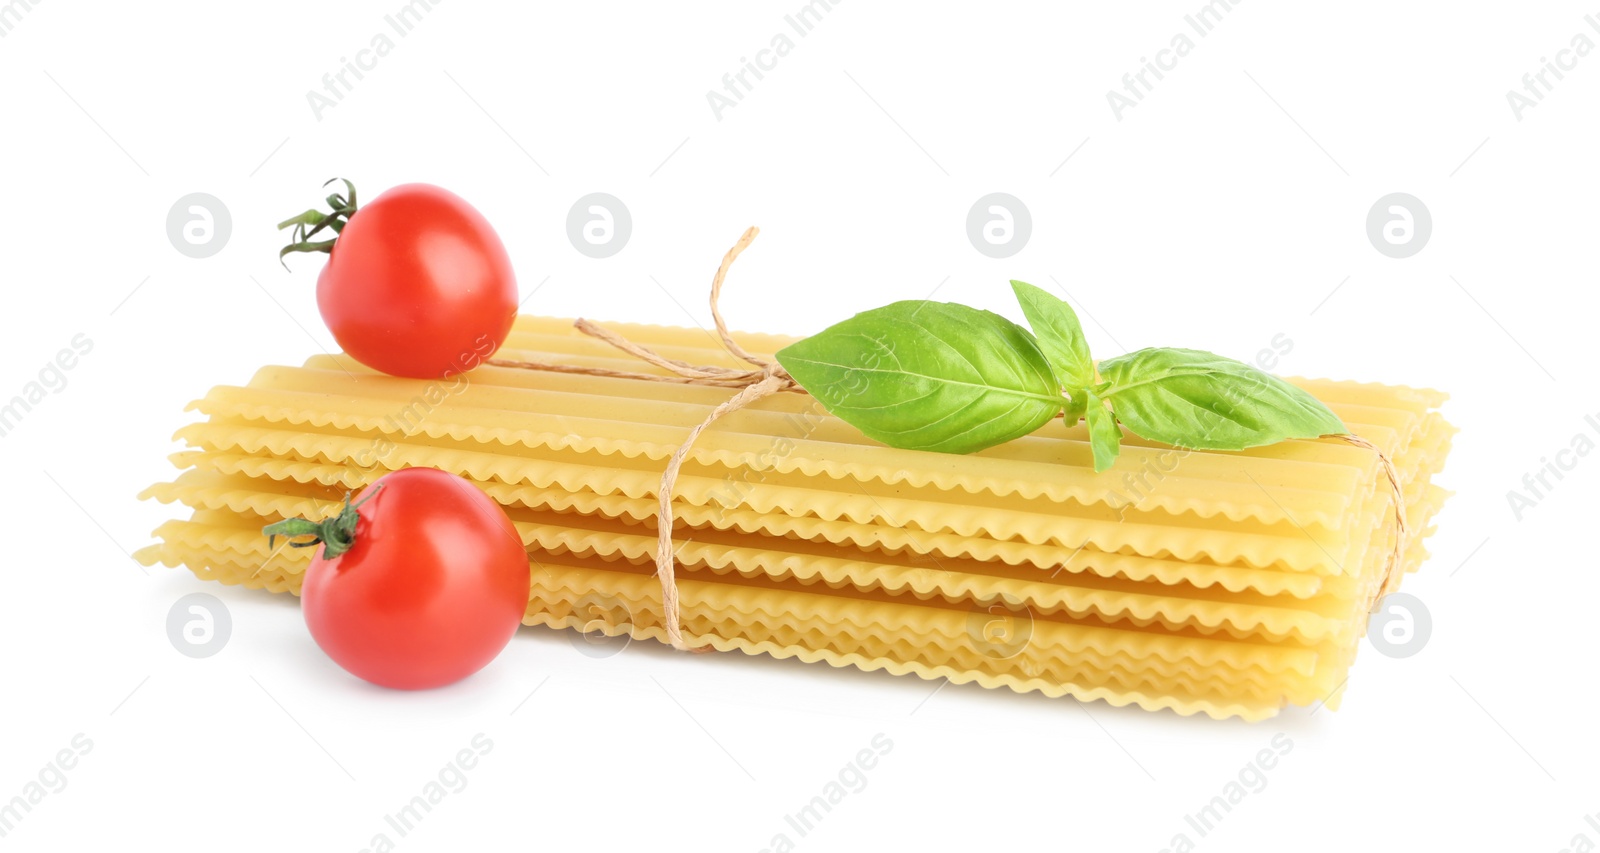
(925, 375)
(1060, 335)
(1105, 437)
(1201, 401)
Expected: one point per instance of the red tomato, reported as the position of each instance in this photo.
(418, 284)
(432, 587)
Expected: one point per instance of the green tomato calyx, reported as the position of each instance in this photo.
(335, 534)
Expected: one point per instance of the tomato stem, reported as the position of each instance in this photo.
(310, 223)
(335, 534)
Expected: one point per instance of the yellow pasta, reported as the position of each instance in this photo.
(332, 402)
(1072, 657)
(1222, 583)
(954, 579)
(1101, 526)
(873, 538)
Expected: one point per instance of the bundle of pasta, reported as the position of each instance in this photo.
(1224, 583)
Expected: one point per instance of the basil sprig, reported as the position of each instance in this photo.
(924, 375)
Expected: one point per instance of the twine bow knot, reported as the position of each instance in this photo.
(763, 379)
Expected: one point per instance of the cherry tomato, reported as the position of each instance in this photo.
(433, 585)
(418, 284)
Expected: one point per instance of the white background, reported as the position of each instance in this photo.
(1223, 210)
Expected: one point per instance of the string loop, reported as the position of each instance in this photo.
(1402, 535)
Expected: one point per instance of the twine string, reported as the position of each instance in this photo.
(764, 379)
(1402, 534)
